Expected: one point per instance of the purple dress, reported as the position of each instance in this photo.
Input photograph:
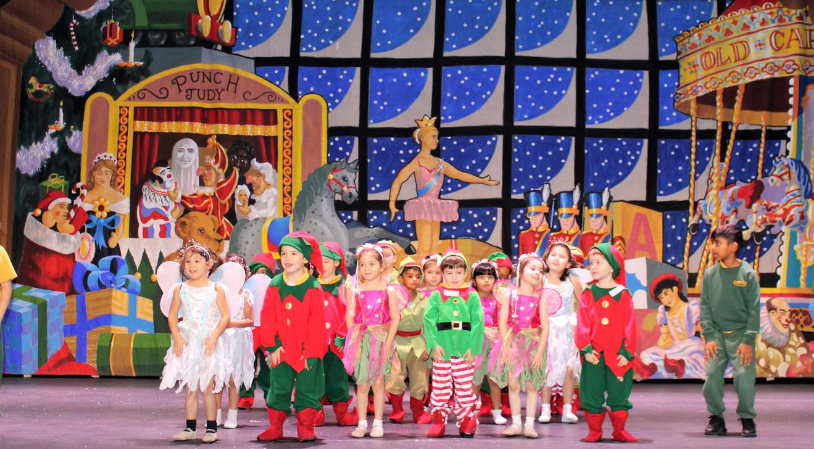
(428, 206)
(364, 347)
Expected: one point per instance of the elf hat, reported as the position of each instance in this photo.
(410, 262)
(615, 260)
(452, 253)
(333, 251)
(501, 260)
(387, 244)
(307, 245)
(262, 260)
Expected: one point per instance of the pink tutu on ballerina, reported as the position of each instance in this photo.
(428, 207)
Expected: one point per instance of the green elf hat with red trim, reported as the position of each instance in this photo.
(615, 260)
(306, 244)
(501, 260)
(333, 251)
(262, 260)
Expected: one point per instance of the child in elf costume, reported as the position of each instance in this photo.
(606, 338)
(336, 378)
(389, 258)
(411, 349)
(262, 263)
(431, 270)
(453, 324)
(292, 330)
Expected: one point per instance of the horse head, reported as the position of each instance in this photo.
(781, 171)
(342, 180)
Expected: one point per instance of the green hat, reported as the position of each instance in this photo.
(452, 253)
(306, 244)
(502, 260)
(260, 261)
(333, 251)
(614, 258)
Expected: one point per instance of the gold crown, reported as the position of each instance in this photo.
(425, 122)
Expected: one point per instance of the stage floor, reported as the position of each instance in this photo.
(104, 413)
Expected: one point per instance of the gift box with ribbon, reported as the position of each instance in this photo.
(107, 301)
(32, 328)
(131, 355)
(54, 182)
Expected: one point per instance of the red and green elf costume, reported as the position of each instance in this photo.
(606, 323)
(336, 378)
(261, 379)
(293, 318)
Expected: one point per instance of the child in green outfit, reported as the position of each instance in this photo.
(730, 320)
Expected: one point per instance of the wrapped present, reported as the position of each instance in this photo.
(119, 354)
(108, 301)
(54, 182)
(20, 328)
(47, 308)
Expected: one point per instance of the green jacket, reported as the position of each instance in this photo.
(458, 305)
(730, 301)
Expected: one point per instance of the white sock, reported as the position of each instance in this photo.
(566, 409)
(232, 413)
(547, 408)
(516, 420)
(377, 423)
(529, 421)
(363, 423)
(496, 413)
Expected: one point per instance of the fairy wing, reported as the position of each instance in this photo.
(402, 294)
(503, 287)
(232, 276)
(552, 298)
(257, 284)
(582, 274)
(168, 275)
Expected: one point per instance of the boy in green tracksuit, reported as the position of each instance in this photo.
(453, 326)
(730, 320)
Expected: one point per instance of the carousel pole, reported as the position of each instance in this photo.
(720, 180)
(713, 176)
(693, 153)
(759, 175)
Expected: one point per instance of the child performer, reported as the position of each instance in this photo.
(262, 263)
(411, 349)
(198, 357)
(606, 337)
(240, 343)
(292, 330)
(453, 324)
(336, 378)
(522, 357)
(389, 258)
(730, 319)
(372, 320)
(484, 275)
(504, 266)
(431, 267)
(562, 367)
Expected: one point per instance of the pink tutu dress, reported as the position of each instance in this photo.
(428, 207)
(491, 340)
(364, 347)
(513, 357)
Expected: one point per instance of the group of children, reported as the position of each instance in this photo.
(453, 339)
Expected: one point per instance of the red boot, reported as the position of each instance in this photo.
(319, 420)
(246, 403)
(595, 421)
(439, 425)
(371, 408)
(505, 410)
(275, 429)
(345, 417)
(468, 426)
(398, 413)
(618, 420)
(420, 415)
(305, 424)
(485, 405)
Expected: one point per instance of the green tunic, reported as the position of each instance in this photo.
(730, 301)
(447, 305)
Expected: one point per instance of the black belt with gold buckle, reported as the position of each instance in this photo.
(454, 325)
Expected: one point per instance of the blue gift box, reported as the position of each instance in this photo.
(20, 336)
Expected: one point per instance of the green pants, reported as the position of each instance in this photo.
(336, 379)
(744, 376)
(261, 379)
(595, 380)
(310, 386)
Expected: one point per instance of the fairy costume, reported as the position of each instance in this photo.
(239, 341)
(193, 368)
(562, 351)
(491, 340)
(364, 347)
(514, 357)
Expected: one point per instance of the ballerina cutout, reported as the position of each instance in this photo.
(428, 210)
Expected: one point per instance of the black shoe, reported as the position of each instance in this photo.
(716, 425)
(749, 429)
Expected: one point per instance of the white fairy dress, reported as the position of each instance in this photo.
(194, 369)
(240, 343)
(562, 349)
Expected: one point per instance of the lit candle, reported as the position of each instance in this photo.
(131, 48)
(60, 121)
